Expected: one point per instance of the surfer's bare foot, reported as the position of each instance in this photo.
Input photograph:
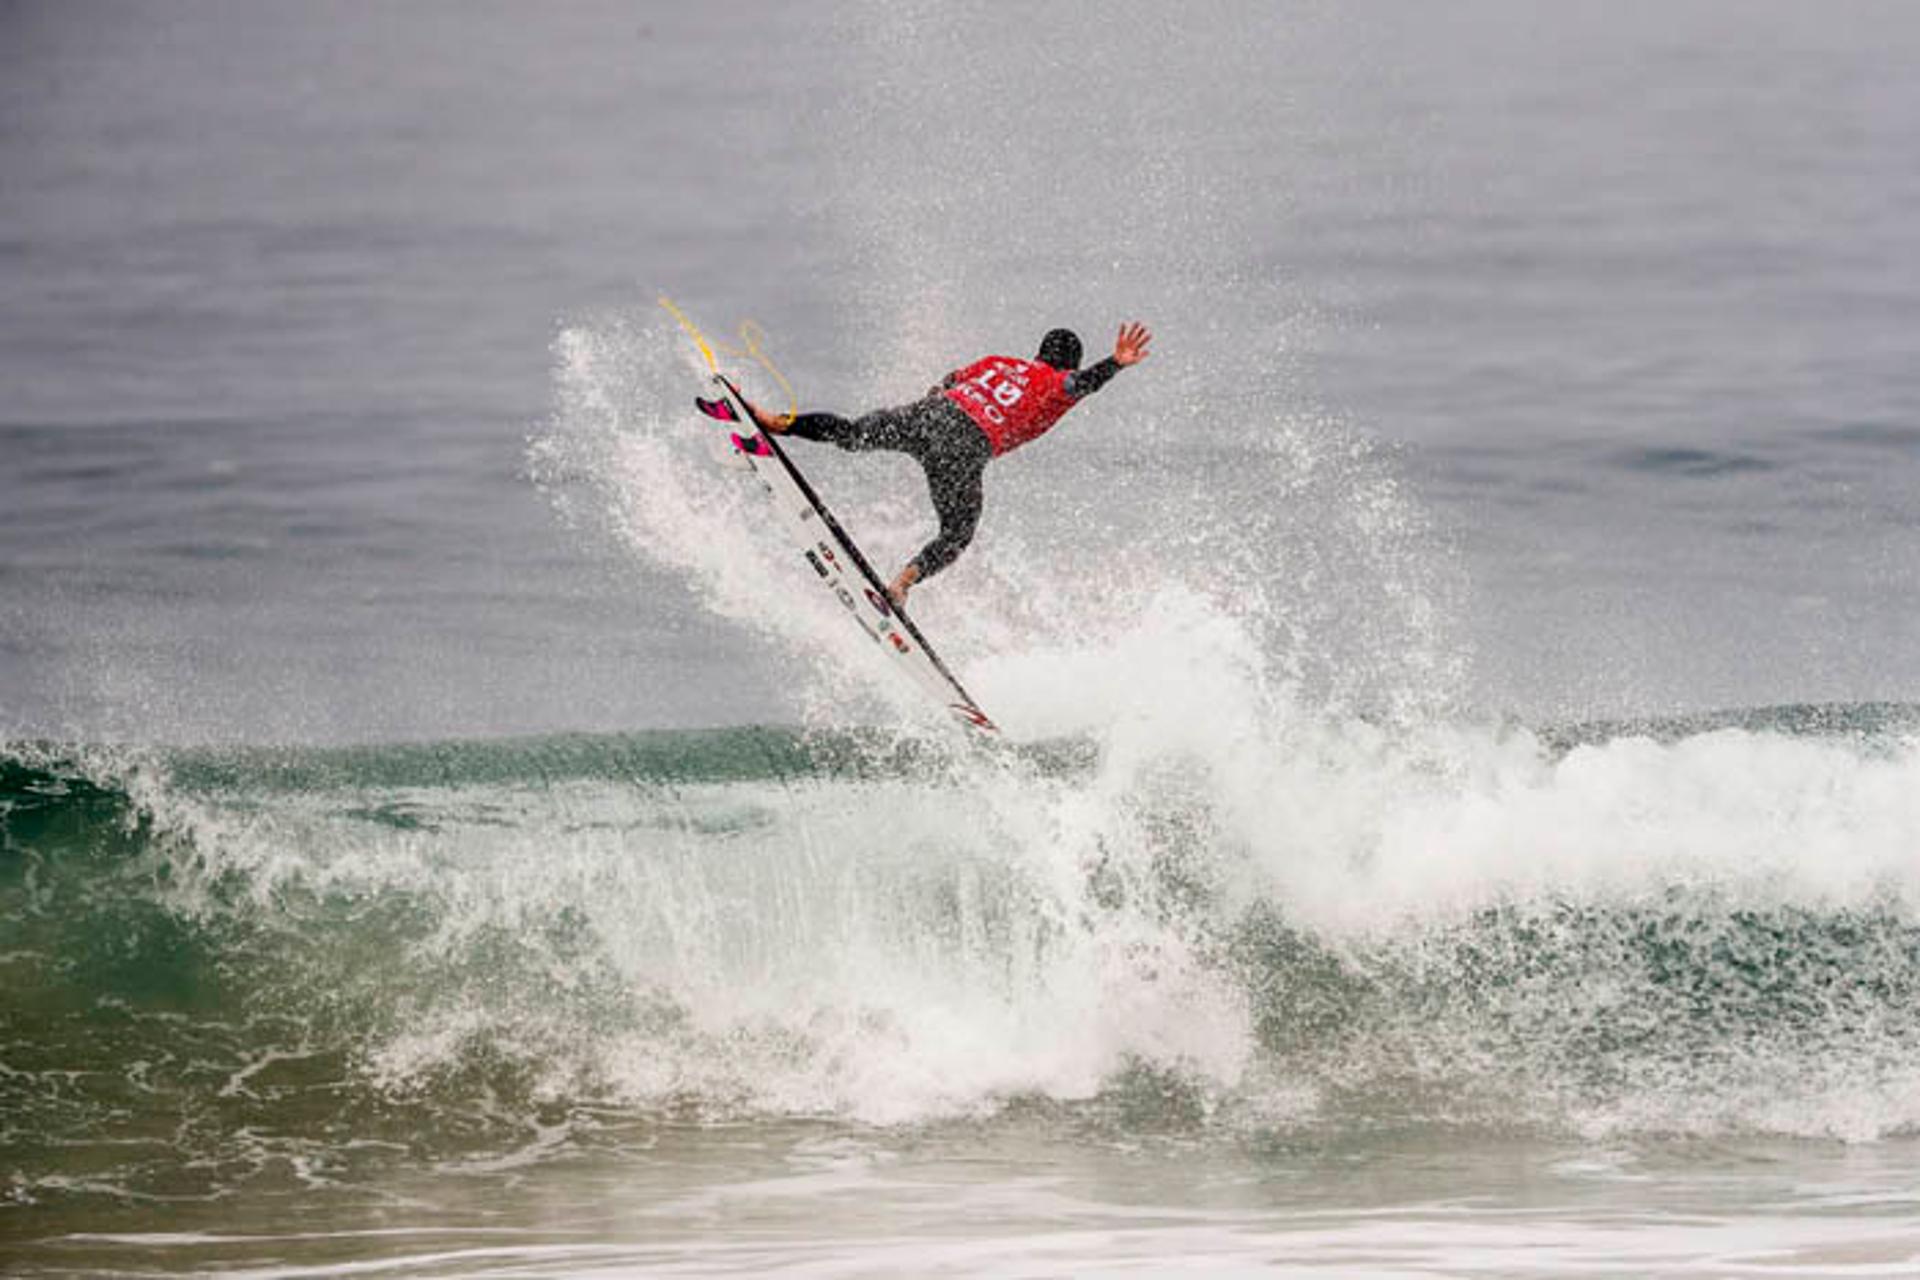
(777, 423)
(898, 588)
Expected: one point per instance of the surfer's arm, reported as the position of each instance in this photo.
(1084, 382)
(1130, 347)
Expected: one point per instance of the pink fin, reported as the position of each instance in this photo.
(716, 409)
(751, 444)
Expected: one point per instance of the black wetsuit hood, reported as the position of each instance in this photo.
(1061, 349)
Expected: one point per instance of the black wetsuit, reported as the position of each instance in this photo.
(938, 434)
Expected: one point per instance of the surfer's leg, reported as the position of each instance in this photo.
(828, 427)
(824, 426)
(954, 475)
(881, 429)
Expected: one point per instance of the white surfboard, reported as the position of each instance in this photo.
(834, 561)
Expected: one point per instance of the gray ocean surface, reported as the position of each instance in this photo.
(1625, 292)
(1458, 815)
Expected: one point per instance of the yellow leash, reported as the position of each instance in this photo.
(751, 337)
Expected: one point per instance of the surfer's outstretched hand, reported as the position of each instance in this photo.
(1131, 346)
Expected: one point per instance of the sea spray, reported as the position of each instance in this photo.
(1292, 530)
(626, 456)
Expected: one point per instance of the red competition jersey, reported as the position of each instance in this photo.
(1013, 400)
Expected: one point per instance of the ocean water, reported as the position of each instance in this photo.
(1458, 810)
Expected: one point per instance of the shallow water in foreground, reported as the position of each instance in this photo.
(1013, 1198)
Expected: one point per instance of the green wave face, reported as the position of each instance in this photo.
(215, 962)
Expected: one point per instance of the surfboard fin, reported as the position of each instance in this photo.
(718, 409)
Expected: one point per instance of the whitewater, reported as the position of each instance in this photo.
(320, 976)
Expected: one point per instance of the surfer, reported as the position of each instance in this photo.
(977, 413)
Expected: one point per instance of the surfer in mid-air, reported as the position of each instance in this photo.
(978, 412)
